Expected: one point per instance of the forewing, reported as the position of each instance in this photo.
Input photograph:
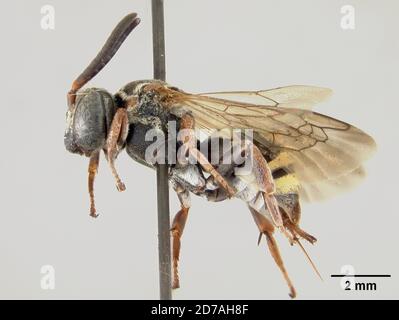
(315, 147)
(297, 96)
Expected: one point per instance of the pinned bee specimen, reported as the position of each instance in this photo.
(295, 154)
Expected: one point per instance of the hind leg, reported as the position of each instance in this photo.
(294, 228)
(266, 227)
(290, 209)
(265, 182)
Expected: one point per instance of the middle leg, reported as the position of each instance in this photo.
(178, 224)
(187, 137)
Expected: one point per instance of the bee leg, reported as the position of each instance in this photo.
(303, 234)
(266, 227)
(265, 181)
(115, 141)
(93, 168)
(189, 144)
(178, 224)
(209, 168)
(291, 222)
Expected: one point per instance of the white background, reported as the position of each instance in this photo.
(211, 46)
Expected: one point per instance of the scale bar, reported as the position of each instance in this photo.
(361, 275)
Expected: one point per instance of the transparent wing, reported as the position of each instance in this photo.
(325, 189)
(297, 96)
(320, 150)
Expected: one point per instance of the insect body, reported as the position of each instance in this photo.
(295, 154)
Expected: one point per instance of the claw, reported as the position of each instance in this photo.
(176, 284)
(292, 293)
(93, 213)
(120, 186)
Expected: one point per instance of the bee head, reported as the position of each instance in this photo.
(88, 121)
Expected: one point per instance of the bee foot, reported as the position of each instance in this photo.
(120, 186)
(176, 285)
(93, 214)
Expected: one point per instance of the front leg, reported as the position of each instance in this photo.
(115, 142)
(93, 168)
